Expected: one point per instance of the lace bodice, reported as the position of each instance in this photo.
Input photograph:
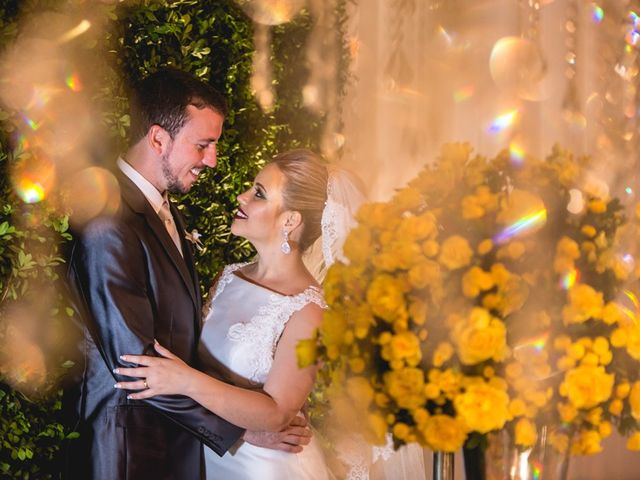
(243, 324)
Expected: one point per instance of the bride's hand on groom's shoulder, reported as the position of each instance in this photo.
(165, 375)
(291, 439)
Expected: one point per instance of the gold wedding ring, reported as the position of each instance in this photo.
(146, 385)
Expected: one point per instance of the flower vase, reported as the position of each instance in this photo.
(442, 466)
(502, 460)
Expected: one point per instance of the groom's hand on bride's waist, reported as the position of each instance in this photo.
(291, 439)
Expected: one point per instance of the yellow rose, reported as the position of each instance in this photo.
(615, 407)
(587, 443)
(307, 352)
(480, 337)
(406, 387)
(567, 251)
(584, 303)
(588, 231)
(430, 248)
(443, 433)
(377, 429)
(361, 318)
(586, 386)
(455, 252)
(476, 280)
(619, 337)
(594, 416)
(416, 228)
(401, 431)
(597, 206)
(517, 407)
(408, 198)
(482, 407)
(385, 296)
(425, 273)
(526, 434)
(600, 346)
(471, 208)
(567, 411)
(378, 215)
(634, 400)
(605, 429)
(360, 392)
(485, 246)
(500, 274)
(442, 354)
(455, 155)
(404, 347)
(332, 330)
(357, 365)
(623, 389)
(358, 245)
(406, 253)
(634, 442)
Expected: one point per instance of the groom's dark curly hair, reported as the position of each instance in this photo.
(162, 97)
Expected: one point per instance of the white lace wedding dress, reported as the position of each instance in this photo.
(238, 342)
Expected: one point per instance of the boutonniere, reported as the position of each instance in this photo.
(194, 238)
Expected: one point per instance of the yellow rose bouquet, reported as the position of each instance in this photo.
(486, 295)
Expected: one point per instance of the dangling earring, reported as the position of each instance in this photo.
(285, 247)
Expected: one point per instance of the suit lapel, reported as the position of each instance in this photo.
(187, 251)
(138, 203)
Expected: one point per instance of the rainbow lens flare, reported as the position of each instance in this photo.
(537, 342)
(73, 82)
(445, 35)
(569, 280)
(597, 14)
(536, 471)
(33, 125)
(503, 121)
(464, 93)
(522, 225)
(516, 153)
(29, 190)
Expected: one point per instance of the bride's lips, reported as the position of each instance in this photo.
(241, 215)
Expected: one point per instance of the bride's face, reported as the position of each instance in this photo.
(259, 218)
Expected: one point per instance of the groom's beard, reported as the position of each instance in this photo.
(173, 183)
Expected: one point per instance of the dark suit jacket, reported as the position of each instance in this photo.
(131, 285)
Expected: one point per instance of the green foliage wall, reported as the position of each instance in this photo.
(213, 39)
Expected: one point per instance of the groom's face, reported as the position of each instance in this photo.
(192, 150)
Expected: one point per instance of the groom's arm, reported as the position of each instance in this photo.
(109, 275)
(292, 439)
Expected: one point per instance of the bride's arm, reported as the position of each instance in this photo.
(285, 391)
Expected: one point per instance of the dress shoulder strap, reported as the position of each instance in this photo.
(218, 286)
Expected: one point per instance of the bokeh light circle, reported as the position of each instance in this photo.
(271, 12)
(91, 192)
(517, 64)
(33, 178)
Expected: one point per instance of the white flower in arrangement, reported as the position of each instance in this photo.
(194, 238)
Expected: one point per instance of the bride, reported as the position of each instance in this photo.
(258, 313)
(294, 212)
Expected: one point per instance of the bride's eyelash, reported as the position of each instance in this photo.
(259, 193)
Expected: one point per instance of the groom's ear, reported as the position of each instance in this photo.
(158, 139)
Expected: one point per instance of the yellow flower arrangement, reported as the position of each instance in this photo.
(475, 301)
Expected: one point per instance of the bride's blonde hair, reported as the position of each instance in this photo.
(305, 190)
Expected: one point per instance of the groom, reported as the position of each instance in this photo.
(134, 280)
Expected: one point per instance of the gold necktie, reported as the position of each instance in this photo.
(170, 225)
